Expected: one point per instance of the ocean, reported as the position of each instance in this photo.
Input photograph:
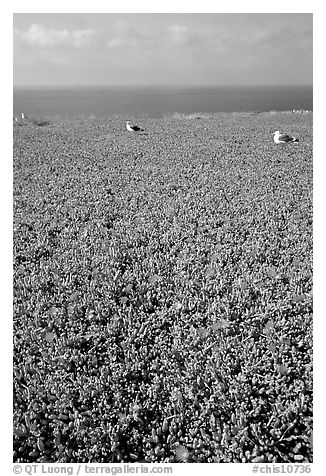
(157, 101)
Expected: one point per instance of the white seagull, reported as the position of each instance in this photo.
(23, 115)
(133, 127)
(280, 138)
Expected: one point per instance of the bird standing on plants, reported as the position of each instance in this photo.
(280, 138)
(133, 127)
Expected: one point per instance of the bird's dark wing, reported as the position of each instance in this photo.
(285, 138)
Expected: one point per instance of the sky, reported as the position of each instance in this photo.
(57, 49)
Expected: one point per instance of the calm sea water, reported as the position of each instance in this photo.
(155, 102)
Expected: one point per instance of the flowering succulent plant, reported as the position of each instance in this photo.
(162, 291)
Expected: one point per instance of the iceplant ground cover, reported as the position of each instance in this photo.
(163, 290)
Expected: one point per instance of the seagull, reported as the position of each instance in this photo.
(280, 138)
(23, 116)
(132, 127)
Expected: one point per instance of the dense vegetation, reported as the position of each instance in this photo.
(163, 290)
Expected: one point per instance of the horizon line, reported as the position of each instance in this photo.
(140, 85)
